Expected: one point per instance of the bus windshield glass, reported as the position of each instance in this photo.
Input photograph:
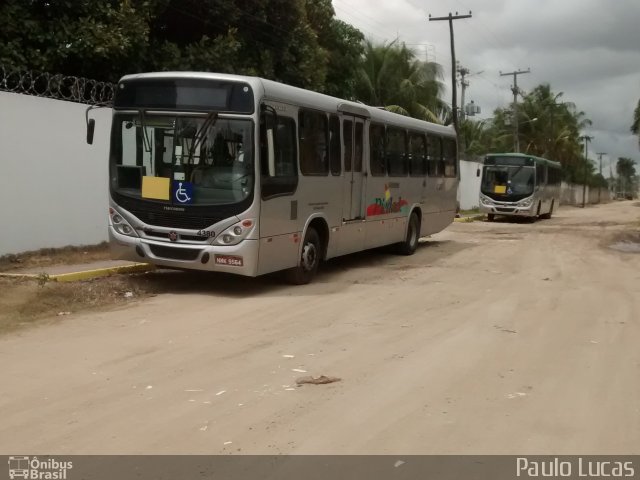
(209, 159)
(508, 181)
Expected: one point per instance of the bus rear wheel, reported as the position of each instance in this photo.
(410, 244)
(309, 260)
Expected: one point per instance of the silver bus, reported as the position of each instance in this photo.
(517, 184)
(244, 175)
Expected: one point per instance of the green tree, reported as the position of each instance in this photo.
(342, 45)
(476, 135)
(627, 181)
(547, 127)
(392, 77)
(299, 42)
(74, 38)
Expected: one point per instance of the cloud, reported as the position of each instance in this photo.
(587, 49)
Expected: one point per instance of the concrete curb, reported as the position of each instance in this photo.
(86, 274)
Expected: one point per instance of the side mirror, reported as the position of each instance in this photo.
(91, 127)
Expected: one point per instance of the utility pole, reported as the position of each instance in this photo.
(514, 89)
(600, 154)
(463, 86)
(463, 71)
(454, 103)
(586, 139)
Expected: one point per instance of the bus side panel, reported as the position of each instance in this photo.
(321, 195)
(279, 234)
(378, 222)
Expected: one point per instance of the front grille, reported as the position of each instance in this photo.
(165, 236)
(170, 220)
(506, 210)
(174, 253)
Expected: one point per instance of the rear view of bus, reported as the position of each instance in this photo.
(516, 184)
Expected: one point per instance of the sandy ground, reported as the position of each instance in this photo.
(494, 338)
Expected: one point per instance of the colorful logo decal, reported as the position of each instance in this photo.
(387, 204)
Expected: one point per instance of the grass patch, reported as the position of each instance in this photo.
(55, 256)
(29, 302)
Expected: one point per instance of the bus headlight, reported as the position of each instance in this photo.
(235, 233)
(526, 202)
(120, 225)
(486, 200)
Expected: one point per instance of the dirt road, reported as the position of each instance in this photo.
(493, 338)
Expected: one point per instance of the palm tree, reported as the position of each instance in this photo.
(392, 77)
(635, 126)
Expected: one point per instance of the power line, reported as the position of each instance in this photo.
(360, 17)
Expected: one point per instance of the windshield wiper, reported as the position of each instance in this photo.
(146, 142)
(199, 137)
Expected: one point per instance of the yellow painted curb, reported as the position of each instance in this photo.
(86, 274)
(472, 218)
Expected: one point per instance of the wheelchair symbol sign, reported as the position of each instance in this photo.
(182, 192)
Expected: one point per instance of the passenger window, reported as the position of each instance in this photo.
(376, 143)
(396, 152)
(540, 174)
(449, 157)
(357, 151)
(313, 136)
(334, 145)
(347, 135)
(418, 155)
(434, 156)
(278, 165)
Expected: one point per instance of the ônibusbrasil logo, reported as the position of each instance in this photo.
(37, 469)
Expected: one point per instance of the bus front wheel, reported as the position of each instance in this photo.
(547, 215)
(491, 217)
(309, 260)
(410, 244)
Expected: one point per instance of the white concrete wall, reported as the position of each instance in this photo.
(571, 194)
(53, 186)
(469, 189)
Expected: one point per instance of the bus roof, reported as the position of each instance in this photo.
(277, 91)
(543, 161)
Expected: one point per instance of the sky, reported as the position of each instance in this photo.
(587, 49)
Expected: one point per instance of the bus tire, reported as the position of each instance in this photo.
(410, 244)
(491, 217)
(548, 215)
(309, 260)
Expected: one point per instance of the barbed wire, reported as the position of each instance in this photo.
(57, 86)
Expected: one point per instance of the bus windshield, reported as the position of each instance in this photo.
(508, 181)
(210, 158)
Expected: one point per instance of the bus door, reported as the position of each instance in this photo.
(353, 138)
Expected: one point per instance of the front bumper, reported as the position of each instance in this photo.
(506, 209)
(185, 256)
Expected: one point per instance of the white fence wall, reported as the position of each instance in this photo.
(53, 186)
(469, 189)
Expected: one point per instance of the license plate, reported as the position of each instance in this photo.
(231, 260)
